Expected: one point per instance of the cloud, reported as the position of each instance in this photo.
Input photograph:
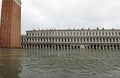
(60, 14)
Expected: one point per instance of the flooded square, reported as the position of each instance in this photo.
(45, 63)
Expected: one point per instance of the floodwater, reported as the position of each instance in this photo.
(21, 63)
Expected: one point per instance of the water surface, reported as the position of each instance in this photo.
(21, 63)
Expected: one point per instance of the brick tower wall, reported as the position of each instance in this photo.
(10, 30)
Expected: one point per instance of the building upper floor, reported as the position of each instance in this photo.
(73, 32)
(72, 36)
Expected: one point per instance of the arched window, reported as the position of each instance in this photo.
(65, 33)
(90, 33)
(93, 33)
(32, 34)
(96, 33)
(115, 33)
(109, 33)
(113, 39)
(58, 33)
(106, 33)
(99, 33)
(86, 33)
(102, 33)
(83, 33)
(77, 33)
(74, 39)
(65, 39)
(80, 33)
(74, 34)
(117, 39)
(112, 33)
(77, 39)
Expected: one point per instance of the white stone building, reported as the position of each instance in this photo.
(72, 39)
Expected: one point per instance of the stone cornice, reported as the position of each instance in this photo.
(18, 2)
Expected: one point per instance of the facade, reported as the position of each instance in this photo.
(72, 39)
(10, 28)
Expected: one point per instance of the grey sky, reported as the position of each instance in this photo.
(63, 14)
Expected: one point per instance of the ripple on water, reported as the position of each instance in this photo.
(62, 63)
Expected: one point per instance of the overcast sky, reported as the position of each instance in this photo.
(64, 14)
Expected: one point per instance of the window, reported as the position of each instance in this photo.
(58, 33)
(99, 33)
(55, 33)
(61, 33)
(87, 40)
(50, 39)
(78, 39)
(96, 33)
(52, 33)
(71, 33)
(90, 33)
(102, 33)
(44, 33)
(68, 40)
(107, 39)
(65, 33)
(115, 33)
(65, 39)
(83, 33)
(110, 39)
(68, 33)
(62, 39)
(86, 33)
(83, 39)
(117, 39)
(100, 40)
(59, 39)
(74, 39)
(74, 33)
(113, 39)
(112, 33)
(77, 33)
(80, 33)
(106, 33)
(103, 39)
(94, 39)
(93, 33)
(109, 33)
(49, 33)
(32, 34)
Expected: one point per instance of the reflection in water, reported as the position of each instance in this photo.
(9, 63)
(60, 64)
(70, 64)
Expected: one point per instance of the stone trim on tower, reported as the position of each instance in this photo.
(18, 2)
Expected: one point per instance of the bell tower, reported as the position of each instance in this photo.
(10, 28)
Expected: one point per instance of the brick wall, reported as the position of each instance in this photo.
(10, 24)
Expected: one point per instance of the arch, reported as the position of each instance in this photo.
(82, 47)
(50, 46)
